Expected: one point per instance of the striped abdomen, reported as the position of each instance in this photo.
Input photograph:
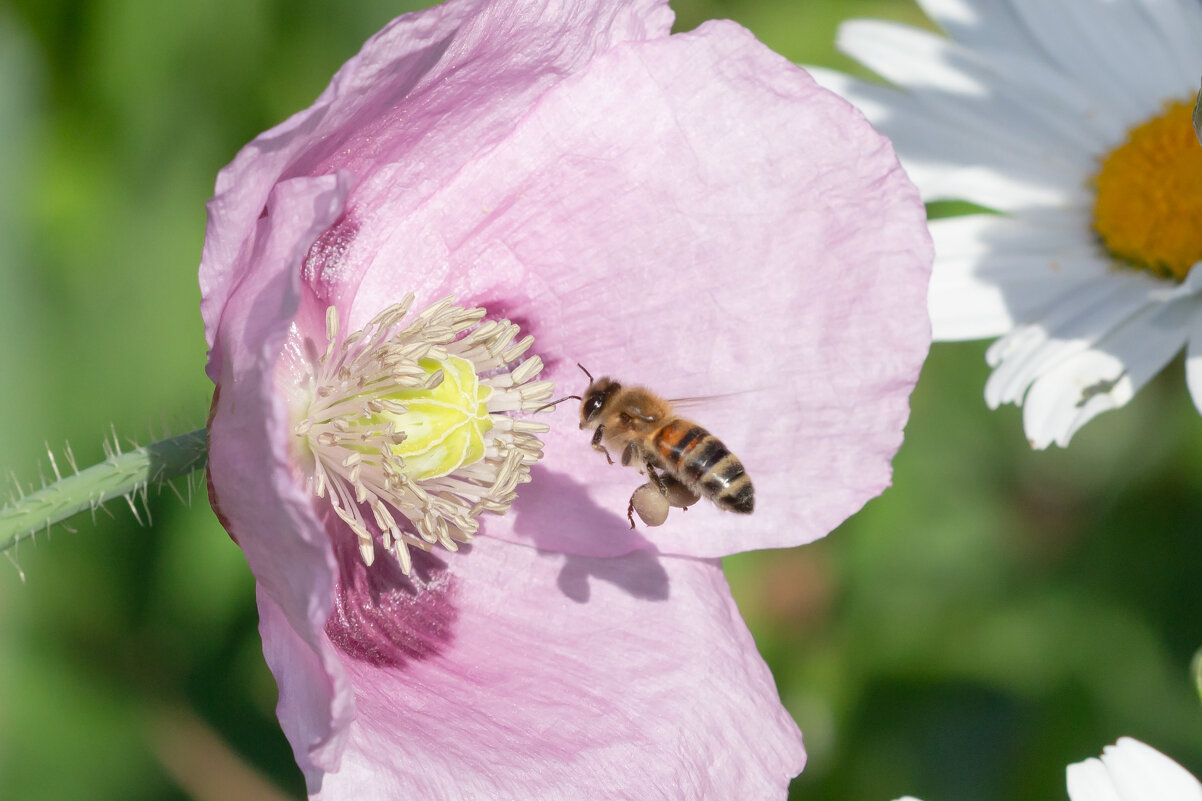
(703, 464)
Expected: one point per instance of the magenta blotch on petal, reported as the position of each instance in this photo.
(690, 212)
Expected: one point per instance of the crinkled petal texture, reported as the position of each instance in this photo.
(690, 212)
(1013, 110)
(623, 678)
(1131, 771)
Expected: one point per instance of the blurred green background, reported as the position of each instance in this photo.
(996, 615)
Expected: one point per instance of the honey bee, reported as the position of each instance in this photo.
(683, 461)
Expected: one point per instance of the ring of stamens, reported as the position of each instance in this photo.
(374, 392)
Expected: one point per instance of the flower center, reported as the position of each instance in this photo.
(1149, 196)
(410, 427)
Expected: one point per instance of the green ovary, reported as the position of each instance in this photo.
(444, 427)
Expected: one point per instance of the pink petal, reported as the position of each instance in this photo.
(548, 676)
(433, 89)
(316, 702)
(694, 214)
(251, 479)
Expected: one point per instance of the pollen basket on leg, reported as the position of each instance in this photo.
(408, 424)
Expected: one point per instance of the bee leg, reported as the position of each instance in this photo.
(629, 453)
(597, 446)
(656, 477)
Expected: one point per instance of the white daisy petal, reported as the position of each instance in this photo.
(1131, 771)
(967, 310)
(1089, 781)
(1139, 32)
(1080, 113)
(1191, 286)
(1085, 316)
(973, 298)
(1000, 107)
(1041, 348)
(1128, 771)
(1056, 408)
(1141, 773)
(962, 168)
(1179, 26)
(1056, 234)
(1193, 361)
(1106, 376)
(994, 272)
(982, 25)
(1093, 43)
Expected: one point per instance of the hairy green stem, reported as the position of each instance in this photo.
(122, 474)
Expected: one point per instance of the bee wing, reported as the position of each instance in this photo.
(702, 401)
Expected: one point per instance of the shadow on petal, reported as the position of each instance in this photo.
(556, 509)
(640, 574)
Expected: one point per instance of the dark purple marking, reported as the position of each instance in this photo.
(325, 266)
(501, 309)
(385, 618)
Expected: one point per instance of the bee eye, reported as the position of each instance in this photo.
(592, 406)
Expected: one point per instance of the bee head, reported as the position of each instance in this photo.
(595, 397)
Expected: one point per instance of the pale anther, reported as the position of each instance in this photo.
(409, 425)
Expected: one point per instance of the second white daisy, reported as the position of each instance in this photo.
(1128, 771)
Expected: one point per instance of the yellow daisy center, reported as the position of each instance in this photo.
(1149, 202)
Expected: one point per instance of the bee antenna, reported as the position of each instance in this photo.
(556, 402)
(586, 372)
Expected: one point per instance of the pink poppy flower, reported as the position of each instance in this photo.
(688, 211)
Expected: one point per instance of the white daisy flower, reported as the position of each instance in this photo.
(1073, 120)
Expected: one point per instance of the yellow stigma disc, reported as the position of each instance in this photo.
(444, 427)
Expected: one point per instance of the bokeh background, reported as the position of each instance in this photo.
(994, 616)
